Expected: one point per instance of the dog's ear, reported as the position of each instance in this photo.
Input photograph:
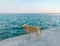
(27, 25)
(24, 25)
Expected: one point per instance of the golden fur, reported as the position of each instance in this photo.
(32, 29)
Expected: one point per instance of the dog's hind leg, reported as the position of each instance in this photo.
(38, 33)
(28, 35)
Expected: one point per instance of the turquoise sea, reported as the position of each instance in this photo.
(11, 23)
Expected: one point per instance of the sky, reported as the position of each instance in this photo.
(29, 6)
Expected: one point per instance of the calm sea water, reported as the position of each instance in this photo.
(11, 24)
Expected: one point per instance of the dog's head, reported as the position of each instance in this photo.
(25, 25)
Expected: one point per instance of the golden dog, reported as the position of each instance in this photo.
(31, 29)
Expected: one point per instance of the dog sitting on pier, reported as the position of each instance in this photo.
(31, 29)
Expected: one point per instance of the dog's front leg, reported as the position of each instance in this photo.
(27, 35)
